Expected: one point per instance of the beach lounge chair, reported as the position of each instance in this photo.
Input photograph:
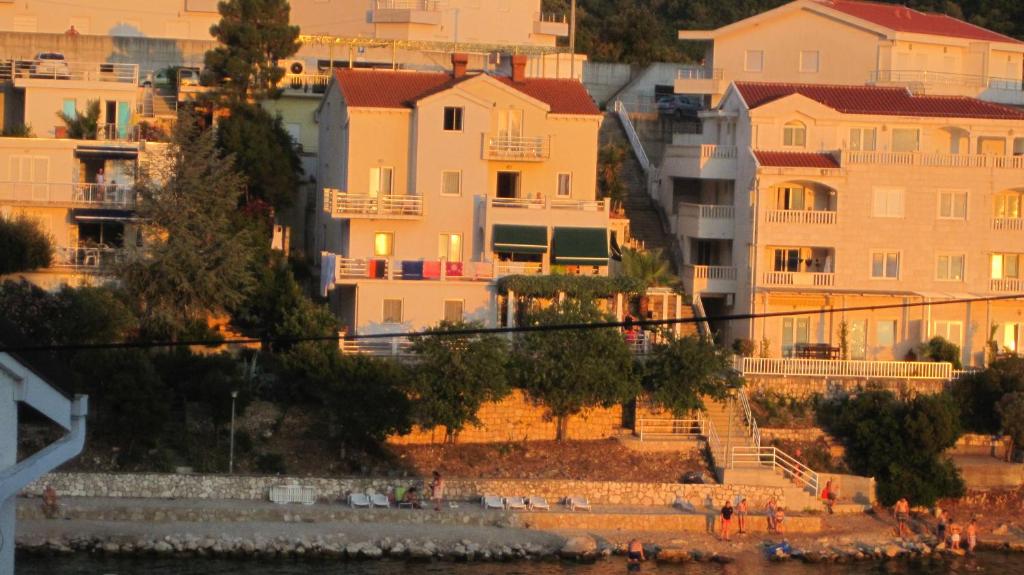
(515, 503)
(538, 503)
(358, 500)
(576, 502)
(492, 502)
(379, 500)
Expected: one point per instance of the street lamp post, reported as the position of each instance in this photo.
(231, 453)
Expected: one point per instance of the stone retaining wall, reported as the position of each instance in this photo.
(177, 486)
(516, 418)
(805, 387)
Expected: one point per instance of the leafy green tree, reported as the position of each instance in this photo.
(648, 266)
(678, 374)
(898, 443)
(264, 151)
(83, 125)
(569, 370)
(71, 315)
(253, 35)
(24, 246)
(203, 379)
(1011, 414)
(940, 349)
(197, 254)
(978, 393)
(455, 375)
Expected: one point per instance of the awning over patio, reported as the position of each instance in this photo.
(580, 247)
(102, 215)
(520, 239)
(106, 153)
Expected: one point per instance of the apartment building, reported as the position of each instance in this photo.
(821, 197)
(435, 185)
(853, 42)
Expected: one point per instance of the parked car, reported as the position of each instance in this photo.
(156, 79)
(50, 65)
(680, 106)
(188, 77)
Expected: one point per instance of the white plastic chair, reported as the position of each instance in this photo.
(379, 500)
(359, 500)
(515, 503)
(538, 503)
(492, 502)
(576, 503)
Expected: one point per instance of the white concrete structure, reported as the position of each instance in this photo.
(18, 383)
(801, 196)
(852, 42)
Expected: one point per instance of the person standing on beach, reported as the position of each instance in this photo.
(972, 535)
(634, 555)
(727, 511)
(741, 515)
(780, 518)
(940, 529)
(770, 512)
(902, 512)
(954, 535)
(437, 490)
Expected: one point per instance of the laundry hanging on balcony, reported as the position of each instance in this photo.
(378, 269)
(432, 270)
(453, 269)
(412, 270)
(520, 239)
(580, 247)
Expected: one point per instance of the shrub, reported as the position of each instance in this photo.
(680, 373)
(24, 245)
(978, 393)
(743, 347)
(939, 349)
(271, 463)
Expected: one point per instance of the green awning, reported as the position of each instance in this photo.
(520, 239)
(580, 247)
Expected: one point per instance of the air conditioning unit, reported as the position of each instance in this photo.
(293, 67)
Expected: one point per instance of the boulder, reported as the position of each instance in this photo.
(579, 547)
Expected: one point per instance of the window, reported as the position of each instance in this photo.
(754, 61)
(381, 180)
(794, 134)
(792, 198)
(864, 139)
(887, 203)
(392, 311)
(564, 185)
(1007, 205)
(952, 205)
(794, 330)
(69, 108)
(951, 331)
(384, 244)
(449, 247)
(885, 265)
(452, 119)
(453, 310)
(905, 140)
(786, 260)
(810, 61)
(949, 267)
(1013, 337)
(451, 183)
(1006, 266)
(885, 333)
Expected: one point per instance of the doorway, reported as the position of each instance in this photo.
(508, 185)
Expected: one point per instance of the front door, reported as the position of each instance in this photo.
(508, 185)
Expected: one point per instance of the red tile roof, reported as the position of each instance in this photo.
(876, 100)
(795, 159)
(394, 89)
(903, 19)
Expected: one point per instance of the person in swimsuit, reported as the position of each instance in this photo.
(954, 535)
(972, 535)
(741, 515)
(727, 511)
(635, 554)
(770, 512)
(437, 490)
(902, 512)
(780, 518)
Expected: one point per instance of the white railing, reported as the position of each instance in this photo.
(429, 270)
(519, 203)
(931, 160)
(87, 259)
(702, 323)
(699, 74)
(707, 211)
(426, 5)
(502, 269)
(816, 279)
(1007, 285)
(774, 458)
(652, 428)
(800, 217)
(927, 77)
(111, 132)
(307, 83)
(715, 448)
(846, 368)
(526, 148)
(713, 272)
(748, 417)
(397, 346)
(716, 152)
(1011, 84)
(65, 70)
(341, 204)
(1008, 224)
(634, 138)
(556, 17)
(110, 195)
(580, 205)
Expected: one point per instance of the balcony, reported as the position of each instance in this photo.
(546, 211)
(701, 161)
(343, 205)
(1009, 91)
(709, 279)
(798, 279)
(516, 148)
(99, 259)
(913, 159)
(304, 84)
(550, 24)
(1006, 285)
(407, 12)
(373, 268)
(23, 72)
(705, 221)
(700, 81)
(846, 368)
(803, 217)
(68, 194)
(1008, 224)
(928, 81)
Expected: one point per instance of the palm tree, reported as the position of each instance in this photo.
(649, 266)
(83, 126)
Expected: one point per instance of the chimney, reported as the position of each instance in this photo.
(459, 64)
(519, 67)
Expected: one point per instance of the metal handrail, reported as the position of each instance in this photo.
(69, 70)
(776, 459)
(714, 443)
(688, 427)
(702, 322)
(752, 429)
(634, 138)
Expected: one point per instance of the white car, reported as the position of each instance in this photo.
(188, 77)
(50, 65)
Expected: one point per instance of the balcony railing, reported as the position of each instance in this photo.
(815, 279)
(397, 346)
(87, 259)
(108, 195)
(545, 202)
(713, 272)
(118, 132)
(341, 204)
(800, 217)
(846, 368)
(1008, 224)
(425, 5)
(707, 211)
(931, 160)
(11, 69)
(699, 74)
(397, 269)
(517, 148)
(305, 83)
(1011, 285)
(502, 269)
(1010, 84)
(929, 78)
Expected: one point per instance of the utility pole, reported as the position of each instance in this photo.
(572, 39)
(231, 452)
